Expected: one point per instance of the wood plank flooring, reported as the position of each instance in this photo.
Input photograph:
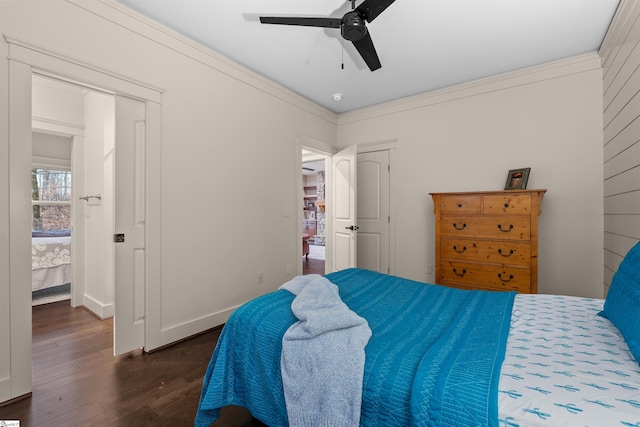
(78, 382)
(313, 266)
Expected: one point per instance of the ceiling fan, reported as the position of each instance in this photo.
(352, 26)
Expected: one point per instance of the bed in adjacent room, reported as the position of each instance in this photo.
(50, 260)
(437, 356)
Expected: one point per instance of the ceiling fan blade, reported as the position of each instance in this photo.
(366, 49)
(370, 9)
(306, 22)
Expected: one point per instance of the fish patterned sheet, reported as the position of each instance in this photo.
(566, 366)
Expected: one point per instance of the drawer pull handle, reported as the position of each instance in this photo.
(459, 274)
(460, 228)
(506, 205)
(505, 231)
(505, 280)
(459, 205)
(505, 255)
(455, 248)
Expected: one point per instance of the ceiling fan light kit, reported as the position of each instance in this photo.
(352, 27)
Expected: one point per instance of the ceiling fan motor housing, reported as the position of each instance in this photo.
(353, 26)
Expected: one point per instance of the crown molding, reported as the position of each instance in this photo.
(122, 16)
(525, 76)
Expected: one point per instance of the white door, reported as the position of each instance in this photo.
(373, 211)
(130, 214)
(344, 208)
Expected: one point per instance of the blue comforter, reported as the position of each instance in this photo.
(433, 359)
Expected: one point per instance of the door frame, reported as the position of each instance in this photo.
(303, 142)
(310, 144)
(23, 60)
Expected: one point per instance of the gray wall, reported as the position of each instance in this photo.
(467, 138)
(621, 110)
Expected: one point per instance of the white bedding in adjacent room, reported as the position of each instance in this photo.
(566, 366)
(50, 261)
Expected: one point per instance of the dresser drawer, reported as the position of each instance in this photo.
(507, 204)
(487, 239)
(463, 204)
(486, 276)
(491, 227)
(497, 252)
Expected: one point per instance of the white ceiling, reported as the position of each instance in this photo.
(312, 162)
(423, 45)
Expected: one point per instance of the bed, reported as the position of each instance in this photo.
(449, 357)
(50, 260)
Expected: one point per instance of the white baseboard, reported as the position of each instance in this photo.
(193, 327)
(5, 389)
(103, 311)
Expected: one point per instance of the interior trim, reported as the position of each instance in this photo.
(565, 67)
(143, 26)
(36, 56)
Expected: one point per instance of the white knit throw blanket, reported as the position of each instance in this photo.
(322, 360)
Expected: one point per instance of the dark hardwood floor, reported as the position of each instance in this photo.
(312, 266)
(78, 382)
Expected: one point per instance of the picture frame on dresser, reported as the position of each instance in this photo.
(517, 179)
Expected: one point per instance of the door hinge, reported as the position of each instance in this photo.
(118, 238)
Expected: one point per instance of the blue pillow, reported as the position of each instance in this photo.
(622, 305)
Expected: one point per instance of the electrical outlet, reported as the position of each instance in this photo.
(429, 269)
(260, 277)
(287, 270)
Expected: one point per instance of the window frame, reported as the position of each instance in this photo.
(56, 168)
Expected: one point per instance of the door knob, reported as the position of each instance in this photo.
(352, 227)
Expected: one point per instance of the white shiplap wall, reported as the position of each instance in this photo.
(620, 54)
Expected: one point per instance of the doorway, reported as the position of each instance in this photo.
(23, 120)
(376, 216)
(51, 180)
(108, 159)
(313, 212)
(85, 119)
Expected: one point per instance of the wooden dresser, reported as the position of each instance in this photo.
(488, 239)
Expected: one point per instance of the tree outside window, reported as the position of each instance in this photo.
(51, 199)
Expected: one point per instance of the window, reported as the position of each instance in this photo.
(51, 200)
